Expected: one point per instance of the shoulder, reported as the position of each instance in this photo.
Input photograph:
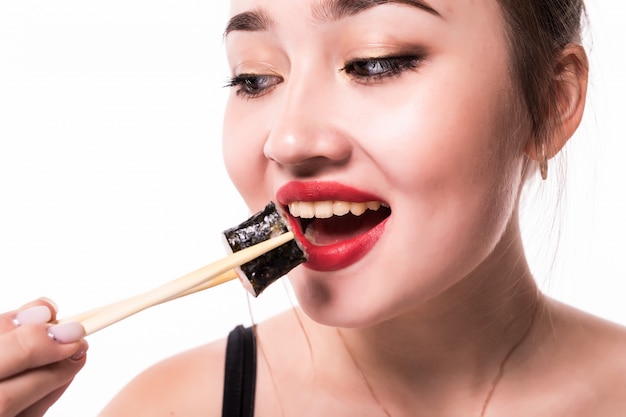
(587, 336)
(590, 354)
(189, 384)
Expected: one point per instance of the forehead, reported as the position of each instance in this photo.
(331, 8)
(320, 11)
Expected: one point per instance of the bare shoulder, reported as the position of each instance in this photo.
(187, 384)
(601, 341)
(592, 355)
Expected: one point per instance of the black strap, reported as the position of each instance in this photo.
(240, 373)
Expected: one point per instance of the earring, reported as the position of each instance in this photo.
(543, 164)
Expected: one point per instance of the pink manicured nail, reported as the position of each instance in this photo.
(78, 355)
(51, 302)
(67, 332)
(33, 315)
(81, 352)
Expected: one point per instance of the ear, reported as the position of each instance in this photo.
(571, 74)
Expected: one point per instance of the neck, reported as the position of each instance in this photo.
(452, 349)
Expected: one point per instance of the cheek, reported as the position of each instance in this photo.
(242, 149)
(451, 158)
(455, 132)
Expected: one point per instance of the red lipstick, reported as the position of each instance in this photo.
(345, 252)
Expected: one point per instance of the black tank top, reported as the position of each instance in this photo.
(240, 373)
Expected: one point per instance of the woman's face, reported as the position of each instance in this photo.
(404, 110)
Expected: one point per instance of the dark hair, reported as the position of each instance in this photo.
(537, 32)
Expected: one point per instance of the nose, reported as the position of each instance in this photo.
(307, 135)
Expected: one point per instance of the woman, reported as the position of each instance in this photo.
(425, 120)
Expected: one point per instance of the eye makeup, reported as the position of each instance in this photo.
(253, 85)
(378, 68)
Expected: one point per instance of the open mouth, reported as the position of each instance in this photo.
(326, 223)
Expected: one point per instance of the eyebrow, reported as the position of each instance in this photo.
(322, 11)
(253, 21)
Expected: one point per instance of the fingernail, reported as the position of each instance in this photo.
(66, 332)
(33, 315)
(52, 303)
(81, 352)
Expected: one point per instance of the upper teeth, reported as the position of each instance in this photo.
(326, 209)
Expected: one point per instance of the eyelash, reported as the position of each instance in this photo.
(248, 85)
(385, 67)
(362, 70)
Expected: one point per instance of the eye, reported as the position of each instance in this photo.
(253, 85)
(371, 69)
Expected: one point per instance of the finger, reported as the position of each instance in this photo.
(33, 392)
(40, 407)
(31, 311)
(30, 346)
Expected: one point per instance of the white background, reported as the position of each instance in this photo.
(111, 179)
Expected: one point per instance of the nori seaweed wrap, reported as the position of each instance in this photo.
(259, 273)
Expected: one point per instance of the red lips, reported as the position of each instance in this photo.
(366, 229)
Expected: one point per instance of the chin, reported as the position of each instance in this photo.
(331, 306)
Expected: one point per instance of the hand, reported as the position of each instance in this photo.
(37, 361)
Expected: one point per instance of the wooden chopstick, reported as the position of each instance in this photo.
(213, 282)
(213, 274)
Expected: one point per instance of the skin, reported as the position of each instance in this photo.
(435, 155)
(34, 369)
(447, 146)
(422, 324)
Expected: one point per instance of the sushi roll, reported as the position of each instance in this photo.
(259, 273)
